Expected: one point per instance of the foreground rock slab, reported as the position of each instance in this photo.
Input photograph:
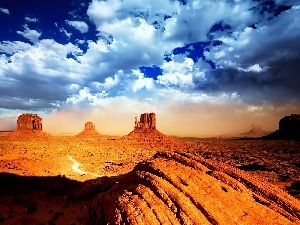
(183, 188)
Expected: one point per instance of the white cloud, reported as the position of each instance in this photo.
(33, 20)
(178, 72)
(255, 68)
(79, 25)
(31, 35)
(142, 32)
(141, 82)
(62, 30)
(6, 11)
(100, 11)
(11, 47)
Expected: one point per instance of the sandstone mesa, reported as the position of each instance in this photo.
(28, 126)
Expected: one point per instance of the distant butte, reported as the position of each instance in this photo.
(145, 133)
(255, 131)
(289, 129)
(89, 131)
(28, 126)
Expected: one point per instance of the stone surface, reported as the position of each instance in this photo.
(89, 131)
(28, 126)
(289, 128)
(147, 120)
(183, 188)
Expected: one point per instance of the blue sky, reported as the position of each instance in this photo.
(210, 67)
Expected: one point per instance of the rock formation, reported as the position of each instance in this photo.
(147, 120)
(255, 131)
(146, 134)
(89, 131)
(289, 128)
(183, 188)
(28, 122)
(28, 126)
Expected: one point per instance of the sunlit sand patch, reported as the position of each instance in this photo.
(75, 167)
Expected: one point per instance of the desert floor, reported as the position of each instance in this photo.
(43, 181)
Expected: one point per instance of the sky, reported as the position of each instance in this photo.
(205, 67)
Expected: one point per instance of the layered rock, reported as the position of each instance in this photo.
(255, 131)
(183, 188)
(289, 128)
(89, 131)
(28, 126)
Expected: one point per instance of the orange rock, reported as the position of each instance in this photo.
(182, 188)
(89, 131)
(28, 126)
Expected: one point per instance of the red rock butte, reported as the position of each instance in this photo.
(145, 132)
(28, 126)
(89, 131)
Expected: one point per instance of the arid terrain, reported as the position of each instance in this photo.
(56, 168)
(146, 177)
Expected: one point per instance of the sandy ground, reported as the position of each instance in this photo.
(67, 159)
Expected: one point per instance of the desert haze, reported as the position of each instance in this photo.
(146, 177)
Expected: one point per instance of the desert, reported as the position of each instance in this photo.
(156, 112)
(145, 177)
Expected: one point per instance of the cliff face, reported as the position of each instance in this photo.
(28, 122)
(147, 120)
(289, 128)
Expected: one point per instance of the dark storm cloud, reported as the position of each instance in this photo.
(279, 84)
(8, 102)
(260, 65)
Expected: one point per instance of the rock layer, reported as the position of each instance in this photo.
(89, 131)
(184, 188)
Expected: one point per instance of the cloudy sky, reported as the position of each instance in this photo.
(206, 67)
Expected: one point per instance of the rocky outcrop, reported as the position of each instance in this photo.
(28, 126)
(89, 131)
(28, 122)
(183, 188)
(146, 134)
(255, 131)
(289, 129)
(147, 120)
